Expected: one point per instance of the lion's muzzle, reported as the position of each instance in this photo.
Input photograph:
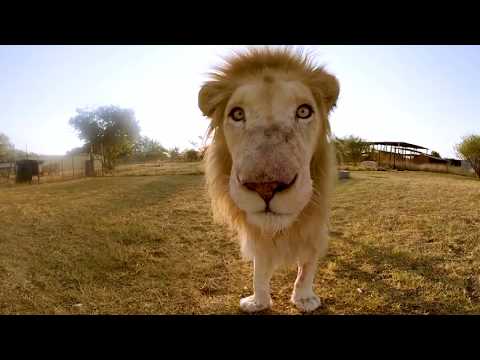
(267, 190)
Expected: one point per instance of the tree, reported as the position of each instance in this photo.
(436, 154)
(148, 145)
(191, 155)
(108, 130)
(198, 150)
(338, 144)
(174, 153)
(350, 148)
(469, 149)
(146, 148)
(78, 150)
(6, 147)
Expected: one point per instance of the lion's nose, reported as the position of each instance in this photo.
(268, 189)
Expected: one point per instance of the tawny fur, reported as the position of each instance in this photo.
(308, 234)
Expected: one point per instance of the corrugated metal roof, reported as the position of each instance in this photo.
(398, 143)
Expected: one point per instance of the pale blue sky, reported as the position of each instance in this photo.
(426, 95)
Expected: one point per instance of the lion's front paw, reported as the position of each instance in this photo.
(253, 304)
(306, 302)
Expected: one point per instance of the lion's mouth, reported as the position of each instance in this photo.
(269, 211)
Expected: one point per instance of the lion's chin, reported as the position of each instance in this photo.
(270, 222)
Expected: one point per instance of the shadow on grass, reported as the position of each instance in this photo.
(413, 300)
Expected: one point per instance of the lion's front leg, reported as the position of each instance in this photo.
(260, 300)
(303, 296)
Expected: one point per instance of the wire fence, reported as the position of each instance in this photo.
(52, 169)
(74, 167)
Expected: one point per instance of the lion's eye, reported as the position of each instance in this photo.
(237, 114)
(304, 111)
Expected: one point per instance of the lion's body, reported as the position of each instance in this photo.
(308, 233)
(266, 81)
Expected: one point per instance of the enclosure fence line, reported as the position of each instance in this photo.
(48, 169)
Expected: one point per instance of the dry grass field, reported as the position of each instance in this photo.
(402, 243)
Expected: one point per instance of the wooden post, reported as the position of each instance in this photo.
(73, 167)
(91, 171)
(406, 157)
(390, 157)
(401, 158)
(380, 155)
(103, 156)
(394, 156)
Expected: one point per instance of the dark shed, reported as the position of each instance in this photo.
(26, 169)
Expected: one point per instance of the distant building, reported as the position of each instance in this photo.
(466, 165)
(399, 155)
(454, 162)
(427, 159)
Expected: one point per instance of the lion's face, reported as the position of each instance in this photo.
(271, 126)
(269, 112)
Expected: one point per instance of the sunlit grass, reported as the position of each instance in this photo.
(402, 243)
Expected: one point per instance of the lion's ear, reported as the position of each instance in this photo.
(210, 96)
(328, 88)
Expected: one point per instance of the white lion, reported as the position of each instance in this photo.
(270, 165)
